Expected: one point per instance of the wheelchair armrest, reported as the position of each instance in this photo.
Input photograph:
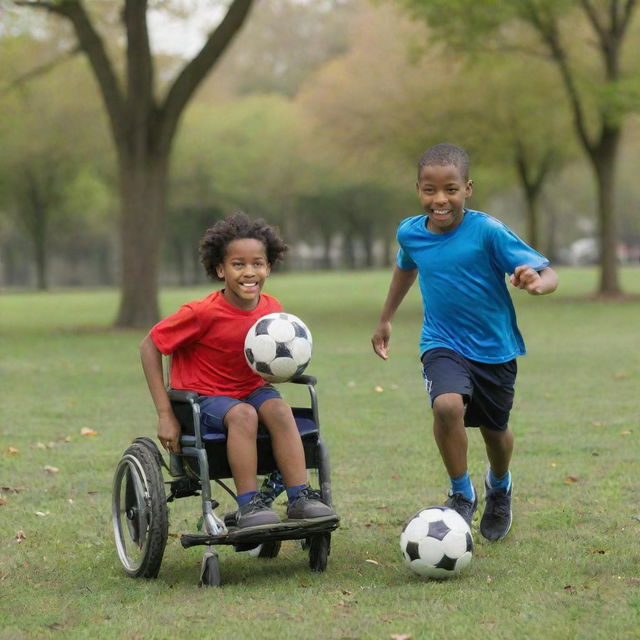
(304, 379)
(179, 395)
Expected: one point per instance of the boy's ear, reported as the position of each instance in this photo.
(220, 271)
(469, 188)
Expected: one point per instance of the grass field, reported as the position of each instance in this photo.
(570, 568)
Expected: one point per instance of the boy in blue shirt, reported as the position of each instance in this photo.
(470, 339)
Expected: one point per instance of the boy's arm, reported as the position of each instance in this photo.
(535, 282)
(168, 426)
(401, 282)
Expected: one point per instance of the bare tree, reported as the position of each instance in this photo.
(143, 128)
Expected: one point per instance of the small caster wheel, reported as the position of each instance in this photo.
(319, 549)
(210, 571)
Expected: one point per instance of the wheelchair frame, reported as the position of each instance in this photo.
(139, 501)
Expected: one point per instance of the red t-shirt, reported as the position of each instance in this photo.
(206, 341)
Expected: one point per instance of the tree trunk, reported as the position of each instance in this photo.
(143, 194)
(604, 162)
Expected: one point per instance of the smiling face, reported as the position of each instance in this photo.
(442, 192)
(244, 270)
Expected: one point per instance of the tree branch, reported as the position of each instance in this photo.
(40, 71)
(195, 71)
(547, 27)
(93, 47)
(139, 60)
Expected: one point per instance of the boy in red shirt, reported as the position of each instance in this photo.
(206, 341)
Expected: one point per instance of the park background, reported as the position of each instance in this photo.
(314, 116)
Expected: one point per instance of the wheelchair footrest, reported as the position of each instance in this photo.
(288, 530)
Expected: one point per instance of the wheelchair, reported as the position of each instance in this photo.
(140, 500)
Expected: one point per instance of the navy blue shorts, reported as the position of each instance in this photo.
(213, 409)
(487, 389)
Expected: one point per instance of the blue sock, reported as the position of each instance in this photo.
(292, 492)
(462, 484)
(243, 498)
(499, 483)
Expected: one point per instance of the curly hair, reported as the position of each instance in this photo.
(213, 246)
(444, 154)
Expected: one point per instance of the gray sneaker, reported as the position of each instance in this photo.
(497, 516)
(309, 506)
(256, 514)
(464, 507)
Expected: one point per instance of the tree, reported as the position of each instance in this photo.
(598, 96)
(143, 128)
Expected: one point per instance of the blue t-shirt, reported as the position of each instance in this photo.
(465, 300)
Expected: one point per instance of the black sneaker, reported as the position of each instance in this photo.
(309, 506)
(256, 514)
(462, 505)
(496, 519)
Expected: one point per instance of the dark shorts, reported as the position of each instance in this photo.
(213, 409)
(487, 389)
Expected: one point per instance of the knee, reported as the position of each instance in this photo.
(448, 408)
(242, 420)
(276, 414)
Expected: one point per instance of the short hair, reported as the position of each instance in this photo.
(445, 154)
(213, 246)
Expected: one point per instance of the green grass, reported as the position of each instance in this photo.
(570, 568)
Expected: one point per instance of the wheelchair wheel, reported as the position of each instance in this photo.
(210, 572)
(139, 508)
(319, 548)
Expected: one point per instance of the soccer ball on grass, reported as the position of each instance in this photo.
(278, 347)
(436, 543)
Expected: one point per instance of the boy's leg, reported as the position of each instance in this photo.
(447, 381)
(451, 437)
(304, 503)
(241, 422)
(220, 414)
(497, 517)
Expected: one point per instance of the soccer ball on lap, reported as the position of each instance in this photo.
(278, 347)
(436, 543)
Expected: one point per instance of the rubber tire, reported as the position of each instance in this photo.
(210, 574)
(129, 480)
(319, 549)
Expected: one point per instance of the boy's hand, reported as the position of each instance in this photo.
(169, 433)
(526, 278)
(380, 340)
(535, 282)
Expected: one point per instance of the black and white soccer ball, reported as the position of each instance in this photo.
(436, 543)
(278, 347)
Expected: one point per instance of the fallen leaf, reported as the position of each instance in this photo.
(40, 445)
(13, 489)
(570, 480)
(598, 551)
(626, 432)
(489, 579)
(12, 451)
(42, 514)
(378, 389)
(50, 469)
(2, 501)
(85, 431)
(20, 536)
(370, 561)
